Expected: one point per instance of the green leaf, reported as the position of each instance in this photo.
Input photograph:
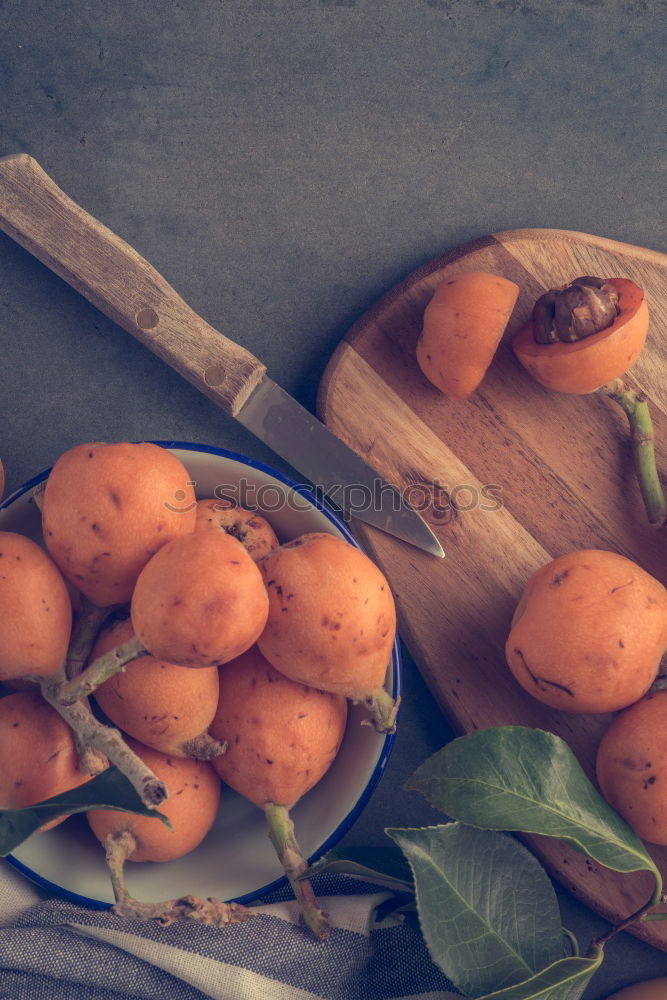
(528, 780)
(488, 911)
(376, 864)
(564, 980)
(109, 790)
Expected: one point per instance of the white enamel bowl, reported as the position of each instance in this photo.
(236, 860)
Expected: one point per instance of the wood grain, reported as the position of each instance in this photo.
(510, 478)
(36, 213)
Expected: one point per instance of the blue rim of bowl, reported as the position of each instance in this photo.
(347, 822)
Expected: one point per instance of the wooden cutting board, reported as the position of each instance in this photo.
(532, 474)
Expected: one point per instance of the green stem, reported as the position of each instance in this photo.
(635, 407)
(383, 709)
(281, 832)
(572, 940)
(101, 670)
(640, 914)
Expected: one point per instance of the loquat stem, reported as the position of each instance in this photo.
(118, 848)
(91, 760)
(641, 914)
(383, 709)
(210, 911)
(84, 634)
(101, 670)
(92, 734)
(635, 407)
(281, 832)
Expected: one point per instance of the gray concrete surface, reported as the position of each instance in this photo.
(283, 163)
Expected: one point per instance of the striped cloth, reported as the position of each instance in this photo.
(53, 950)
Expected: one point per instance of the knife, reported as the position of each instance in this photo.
(36, 213)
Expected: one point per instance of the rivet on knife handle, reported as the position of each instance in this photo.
(36, 213)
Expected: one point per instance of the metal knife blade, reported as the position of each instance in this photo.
(297, 436)
(36, 213)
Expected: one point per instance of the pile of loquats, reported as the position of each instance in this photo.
(186, 646)
(189, 648)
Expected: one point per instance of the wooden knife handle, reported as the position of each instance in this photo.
(115, 278)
